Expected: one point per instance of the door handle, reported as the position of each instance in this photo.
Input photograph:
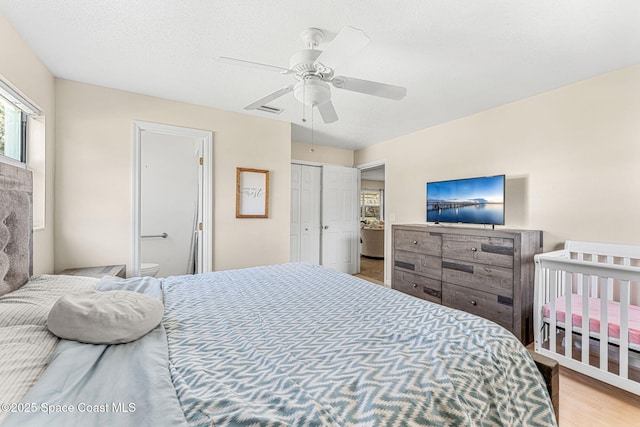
(163, 236)
(326, 227)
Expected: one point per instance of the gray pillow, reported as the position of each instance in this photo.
(104, 317)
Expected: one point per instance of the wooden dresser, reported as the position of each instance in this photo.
(485, 272)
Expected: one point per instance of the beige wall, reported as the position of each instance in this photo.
(328, 155)
(571, 157)
(25, 72)
(94, 176)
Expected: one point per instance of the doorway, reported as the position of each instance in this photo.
(372, 222)
(172, 218)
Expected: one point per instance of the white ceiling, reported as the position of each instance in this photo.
(455, 57)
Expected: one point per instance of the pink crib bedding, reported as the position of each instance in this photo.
(613, 311)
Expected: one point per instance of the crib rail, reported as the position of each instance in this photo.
(579, 287)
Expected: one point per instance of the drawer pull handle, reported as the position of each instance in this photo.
(415, 242)
(473, 302)
(474, 249)
(415, 285)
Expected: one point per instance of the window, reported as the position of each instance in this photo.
(13, 131)
(371, 204)
(15, 111)
(22, 140)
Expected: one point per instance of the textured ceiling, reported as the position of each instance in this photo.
(454, 57)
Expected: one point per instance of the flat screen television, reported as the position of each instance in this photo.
(467, 201)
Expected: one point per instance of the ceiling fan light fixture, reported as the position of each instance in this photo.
(312, 92)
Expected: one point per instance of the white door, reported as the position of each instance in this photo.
(294, 226)
(173, 200)
(305, 214)
(340, 218)
(169, 202)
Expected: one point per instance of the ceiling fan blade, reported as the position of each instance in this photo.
(327, 112)
(252, 64)
(370, 88)
(269, 98)
(348, 41)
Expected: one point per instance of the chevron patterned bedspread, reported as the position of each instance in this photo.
(301, 345)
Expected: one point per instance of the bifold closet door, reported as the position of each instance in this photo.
(305, 214)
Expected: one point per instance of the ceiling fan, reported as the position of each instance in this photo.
(314, 70)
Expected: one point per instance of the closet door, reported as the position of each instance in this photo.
(295, 228)
(305, 214)
(340, 218)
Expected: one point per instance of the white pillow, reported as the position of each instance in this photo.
(104, 317)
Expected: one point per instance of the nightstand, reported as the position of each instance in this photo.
(99, 272)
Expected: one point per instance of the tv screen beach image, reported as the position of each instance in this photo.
(473, 201)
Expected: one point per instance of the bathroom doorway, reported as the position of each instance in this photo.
(172, 230)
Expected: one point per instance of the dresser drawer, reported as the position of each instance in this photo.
(484, 250)
(490, 306)
(418, 286)
(425, 264)
(496, 280)
(418, 241)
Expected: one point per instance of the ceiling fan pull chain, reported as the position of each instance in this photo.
(312, 149)
(304, 104)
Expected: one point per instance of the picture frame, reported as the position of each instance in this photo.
(252, 193)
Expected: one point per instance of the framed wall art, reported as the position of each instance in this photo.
(252, 193)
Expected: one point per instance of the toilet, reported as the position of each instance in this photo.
(149, 269)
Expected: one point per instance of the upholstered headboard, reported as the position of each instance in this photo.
(16, 219)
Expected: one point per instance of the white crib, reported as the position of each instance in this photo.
(603, 282)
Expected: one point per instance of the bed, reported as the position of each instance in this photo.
(291, 344)
(597, 286)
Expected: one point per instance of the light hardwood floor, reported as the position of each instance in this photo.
(372, 269)
(588, 402)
